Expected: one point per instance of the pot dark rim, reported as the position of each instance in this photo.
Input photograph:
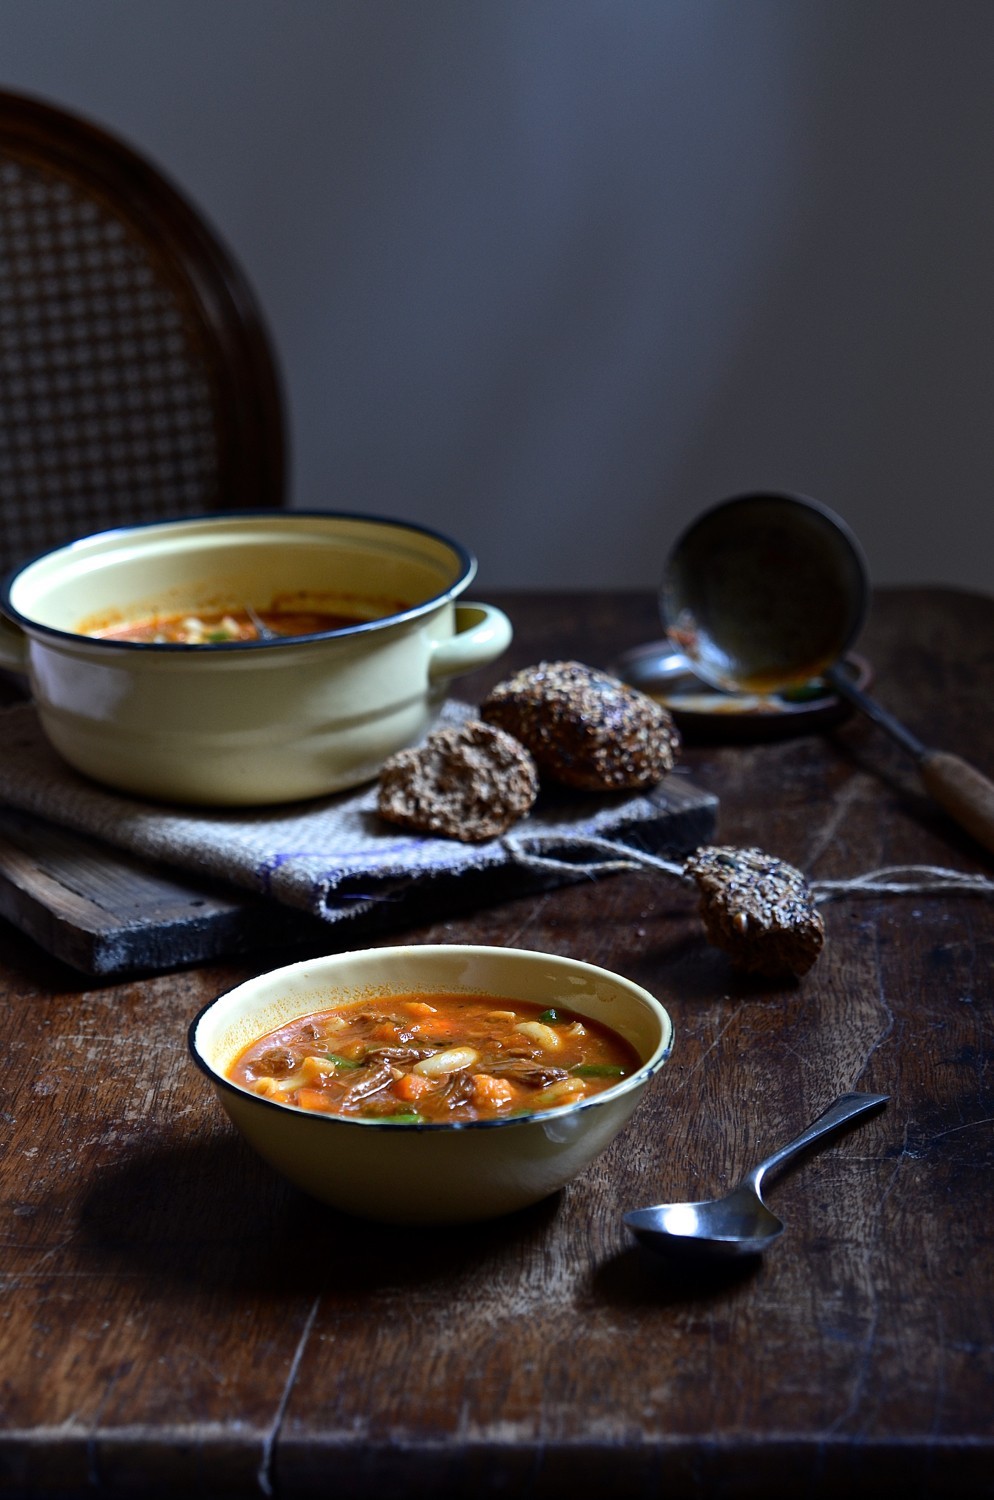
(465, 559)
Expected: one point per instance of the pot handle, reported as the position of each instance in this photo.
(13, 647)
(482, 633)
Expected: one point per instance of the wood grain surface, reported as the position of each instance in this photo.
(176, 1320)
(105, 912)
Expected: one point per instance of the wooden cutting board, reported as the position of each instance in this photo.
(106, 912)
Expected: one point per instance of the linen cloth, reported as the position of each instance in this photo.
(335, 857)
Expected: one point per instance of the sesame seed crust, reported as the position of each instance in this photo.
(757, 909)
(585, 728)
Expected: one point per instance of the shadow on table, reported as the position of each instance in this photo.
(212, 1214)
(636, 1278)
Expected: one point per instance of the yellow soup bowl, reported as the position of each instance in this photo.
(245, 722)
(429, 1173)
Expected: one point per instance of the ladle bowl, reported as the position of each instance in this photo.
(767, 591)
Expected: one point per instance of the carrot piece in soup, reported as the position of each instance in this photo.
(491, 1094)
(314, 1099)
(411, 1086)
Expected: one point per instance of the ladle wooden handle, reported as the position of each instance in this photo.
(965, 794)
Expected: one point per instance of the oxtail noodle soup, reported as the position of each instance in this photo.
(216, 627)
(429, 1059)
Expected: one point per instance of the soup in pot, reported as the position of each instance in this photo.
(209, 628)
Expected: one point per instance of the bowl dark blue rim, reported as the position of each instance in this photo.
(466, 559)
(642, 1075)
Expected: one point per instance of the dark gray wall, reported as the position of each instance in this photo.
(555, 275)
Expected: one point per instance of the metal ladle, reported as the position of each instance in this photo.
(263, 631)
(765, 592)
(740, 1223)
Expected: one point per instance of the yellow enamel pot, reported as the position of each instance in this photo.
(248, 722)
(429, 1174)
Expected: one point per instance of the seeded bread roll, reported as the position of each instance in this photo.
(469, 781)
(758, 910)
(584, 728)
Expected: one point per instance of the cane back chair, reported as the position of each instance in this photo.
(137, 381)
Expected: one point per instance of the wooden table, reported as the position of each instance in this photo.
(177, 1321)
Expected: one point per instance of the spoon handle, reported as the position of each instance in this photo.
(846, 1107)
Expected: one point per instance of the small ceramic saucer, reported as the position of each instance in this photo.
(702, 712)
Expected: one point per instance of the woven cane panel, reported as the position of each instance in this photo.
(106, 402)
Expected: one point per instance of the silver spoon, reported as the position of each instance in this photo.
(765, 592)
(740, 1223)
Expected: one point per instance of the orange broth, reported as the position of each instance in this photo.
(435, 1058)
(207, 629)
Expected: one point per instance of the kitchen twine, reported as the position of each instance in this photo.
(893, 880)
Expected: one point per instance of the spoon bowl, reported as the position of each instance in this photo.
(739, 1223)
